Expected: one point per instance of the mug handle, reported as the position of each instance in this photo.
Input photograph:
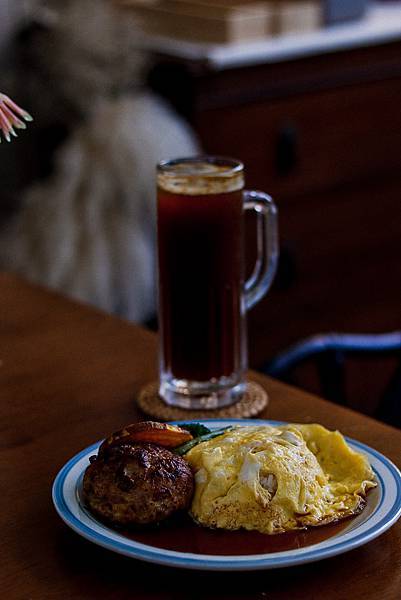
(267, 246)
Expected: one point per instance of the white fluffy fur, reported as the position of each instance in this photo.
(90, 230)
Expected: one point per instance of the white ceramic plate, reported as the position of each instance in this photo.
(382, 511)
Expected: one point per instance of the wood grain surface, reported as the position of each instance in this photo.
(69, 376)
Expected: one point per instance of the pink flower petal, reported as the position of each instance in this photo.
(20, 111)
(5, 125)
(9, 119)
(14, 120)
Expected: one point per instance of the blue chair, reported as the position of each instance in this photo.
(329, 352)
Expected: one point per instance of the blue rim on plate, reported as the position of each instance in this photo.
(382, 511)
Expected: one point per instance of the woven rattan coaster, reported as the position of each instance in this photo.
(254, 400)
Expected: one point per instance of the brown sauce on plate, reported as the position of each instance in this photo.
(183, 535)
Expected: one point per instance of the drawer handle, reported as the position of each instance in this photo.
(287, 270)
(287, 150)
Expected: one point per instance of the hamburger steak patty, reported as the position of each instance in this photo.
(137, 484)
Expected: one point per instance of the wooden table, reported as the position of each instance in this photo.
(68, 376)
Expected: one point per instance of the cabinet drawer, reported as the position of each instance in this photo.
(313, 141)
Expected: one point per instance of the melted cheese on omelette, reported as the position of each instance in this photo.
(276, 479)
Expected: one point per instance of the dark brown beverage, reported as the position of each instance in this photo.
(200, 240)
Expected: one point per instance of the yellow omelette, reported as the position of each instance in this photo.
(277, 479)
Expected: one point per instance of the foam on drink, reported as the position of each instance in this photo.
(197, 178)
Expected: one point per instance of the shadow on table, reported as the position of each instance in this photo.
(94, 570)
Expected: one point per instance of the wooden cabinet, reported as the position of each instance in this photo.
(323, 135)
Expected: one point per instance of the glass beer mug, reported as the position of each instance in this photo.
(203, 297)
